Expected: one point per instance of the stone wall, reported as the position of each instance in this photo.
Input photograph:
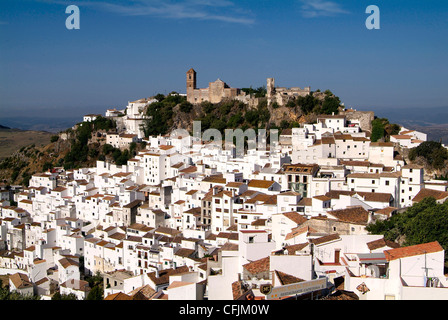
(365, 118)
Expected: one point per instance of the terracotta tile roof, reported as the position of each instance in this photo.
(289, 193)
(322, 198)
(20, 281)
(79, 285)
(401, 137)
(142, 293)
(259, 222)
(228, 235)
(342, 295)
(285, 278)
(381, 243)
(258, 266)
(228, 246)
(381, 144)
(295, 217)
(356, 215)
(65, 263)
(386, 211)
(298, 231)
(140, 227)
(167, 231)
(184, 252)
(215, 179)
(164, 275)
(271, 200)
(264, 184)
(118, 296)
(425, 193)
(223, 193)
(376, 196)
(335, 194)
(261, 197)
(190, 169)
(325, 239)
(234, 184)
(292, 249)
(410, 251)
(307, 202)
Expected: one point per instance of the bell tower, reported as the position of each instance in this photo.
(191, 84)
(191, 79)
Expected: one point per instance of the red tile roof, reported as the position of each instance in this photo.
(410, 251)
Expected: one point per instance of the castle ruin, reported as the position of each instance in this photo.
(219, 90)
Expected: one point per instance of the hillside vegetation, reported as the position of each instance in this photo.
(174, 112)
(79, 148)
(12, 140)
(424, 222)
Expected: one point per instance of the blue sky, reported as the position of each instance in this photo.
(126, 50)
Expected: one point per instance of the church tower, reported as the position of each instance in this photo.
(191, 84)
(191, 79)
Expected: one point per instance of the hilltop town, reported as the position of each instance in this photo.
(185, 219)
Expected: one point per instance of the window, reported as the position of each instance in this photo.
(387, 182)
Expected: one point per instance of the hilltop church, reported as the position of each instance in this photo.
(215, 93)
(219, 90)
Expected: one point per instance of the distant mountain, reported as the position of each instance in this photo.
(432, 121)
(49, 124)
(423, 116)
(11, 140)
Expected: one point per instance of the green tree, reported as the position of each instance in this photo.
(235, 120)
(307, 103)
(186, 107)
(377, 130)
(425, 221)
(107, 148)
(96, 285)
(433, 152)
(96, 293)
(59, 296)
(331, 105)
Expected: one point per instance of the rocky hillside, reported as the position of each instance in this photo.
(12, 140)
(174, 112)
(80, 146)
(84, 144)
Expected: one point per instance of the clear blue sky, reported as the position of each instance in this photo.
(126, 50)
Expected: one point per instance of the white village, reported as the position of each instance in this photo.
(188, 220)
